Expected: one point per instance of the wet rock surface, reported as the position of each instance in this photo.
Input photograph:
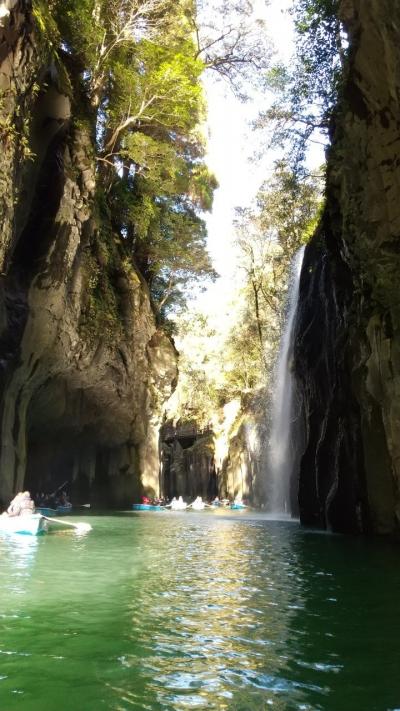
(348, 327)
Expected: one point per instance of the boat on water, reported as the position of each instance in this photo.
(29, 524)
(147, 507)
(177, 504)
(65, 509)
(198, 504)
(59, 511)
(237, 506)
(45, 511)
(36, 524)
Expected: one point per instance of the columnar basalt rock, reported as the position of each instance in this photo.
(348, 329)
(84, 369)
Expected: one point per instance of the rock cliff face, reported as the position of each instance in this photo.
(241, 450)
(188, 463)
(84, 370)
(226, 459)
(348, 328)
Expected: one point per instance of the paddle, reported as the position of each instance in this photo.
(82, 526)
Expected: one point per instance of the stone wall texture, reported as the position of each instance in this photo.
(84, 369)
(348, 327)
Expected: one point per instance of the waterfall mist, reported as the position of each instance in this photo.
(283, 441)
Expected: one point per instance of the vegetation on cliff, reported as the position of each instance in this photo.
(133, 71)
(217, 367)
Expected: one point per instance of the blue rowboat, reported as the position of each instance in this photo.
(237, 507)
(29, 524)
(46, 511)
(64, 509)
(147, 507)
(59, 511)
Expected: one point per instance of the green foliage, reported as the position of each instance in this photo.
(307, 91)
(100, 314)
(268, 236)
(202, 385)
(43, 15)
(140, 74)
(289, 206)
(217, 369)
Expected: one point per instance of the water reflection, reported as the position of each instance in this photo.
(193, 611)
(17, 557)
(210, 620)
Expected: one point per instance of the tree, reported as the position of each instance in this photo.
(232, 42)
(140, 79)
(268, 235)
(307, 90)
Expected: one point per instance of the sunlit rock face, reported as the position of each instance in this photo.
(84, 370)
(241, 454)
(226, 459)
(348, 331)
(188, 462)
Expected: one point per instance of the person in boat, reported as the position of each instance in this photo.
(63, 500)
(14, 507)
(21, 504)
(26, 503)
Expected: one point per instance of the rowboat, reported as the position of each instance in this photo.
(147, 507)
(45, 511)
(59, 511)
(177, 506)
(29, 524)
(36, 524)
(237, 506)
(64, 509)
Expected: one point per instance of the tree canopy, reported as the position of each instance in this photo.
(135, 82)
(135, 69)
(306, 91)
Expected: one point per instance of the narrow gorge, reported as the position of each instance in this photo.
(199, 355)
(87, 360)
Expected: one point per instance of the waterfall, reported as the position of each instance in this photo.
(282, 445)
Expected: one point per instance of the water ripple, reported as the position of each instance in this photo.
(206, 612)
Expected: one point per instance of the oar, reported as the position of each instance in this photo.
(81, 526)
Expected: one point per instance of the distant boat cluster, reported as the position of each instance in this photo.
(178, 504)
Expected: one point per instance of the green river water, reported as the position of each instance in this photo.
(198, 611)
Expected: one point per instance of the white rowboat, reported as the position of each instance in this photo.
(36, 524)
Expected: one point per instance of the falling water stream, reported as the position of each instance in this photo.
(282, 447)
